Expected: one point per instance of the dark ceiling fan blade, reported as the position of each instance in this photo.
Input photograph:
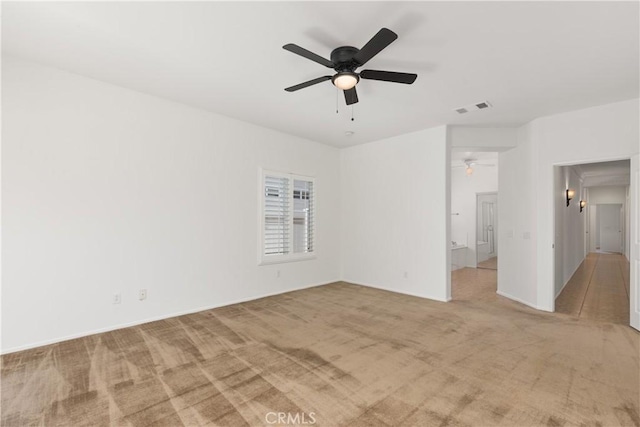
(307, 84)
(382, 39)
(307, 54)
(351, 96)
(389, 76)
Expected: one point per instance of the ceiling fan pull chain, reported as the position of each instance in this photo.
(352, 119)
(337, 90)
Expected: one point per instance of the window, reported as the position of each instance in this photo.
(287, 217)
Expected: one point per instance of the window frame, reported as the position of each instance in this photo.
(264, 259)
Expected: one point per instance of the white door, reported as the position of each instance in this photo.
(634, 192)
(487, 226)
(610, 227)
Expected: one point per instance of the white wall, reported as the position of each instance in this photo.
(608, 132)
(607, 195)
(108, 190)
(569, 226)
(516, 215)
(395, 205)
(464, 189)
(475, 138)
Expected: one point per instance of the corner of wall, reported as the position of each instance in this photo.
(448, 148)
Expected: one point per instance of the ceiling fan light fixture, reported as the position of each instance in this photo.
(345, 80)
(469, 170)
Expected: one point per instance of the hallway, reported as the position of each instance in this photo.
(598, 290)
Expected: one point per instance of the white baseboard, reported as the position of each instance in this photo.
(153, 319)
(382, 288)
(565, 284)
(569, 278)
(516, 299)
(562, 288)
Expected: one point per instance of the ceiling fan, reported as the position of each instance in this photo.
(469, 164)
(345, 60)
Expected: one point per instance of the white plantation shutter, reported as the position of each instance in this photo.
(288, 217)
(276, 215)
(302, 216)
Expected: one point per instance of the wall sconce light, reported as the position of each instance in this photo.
(583, 203)
(570, 194)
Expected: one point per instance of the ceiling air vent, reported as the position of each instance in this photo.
(473, 107)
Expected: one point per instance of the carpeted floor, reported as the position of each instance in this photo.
(491, 263)
(598, 290)
(337, 355)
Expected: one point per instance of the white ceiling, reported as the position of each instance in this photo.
(529, 59)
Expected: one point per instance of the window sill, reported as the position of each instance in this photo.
(285, 259)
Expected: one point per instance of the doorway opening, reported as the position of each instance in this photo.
(474, 224)
(592, 268)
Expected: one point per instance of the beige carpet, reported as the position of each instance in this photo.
(598, 290)
(338, 355)
(491, 263)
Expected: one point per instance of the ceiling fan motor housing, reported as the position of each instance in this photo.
(342, 57)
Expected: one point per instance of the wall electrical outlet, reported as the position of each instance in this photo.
(142, 294)
(117, 298)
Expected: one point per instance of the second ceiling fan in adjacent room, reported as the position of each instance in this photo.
(469, 164)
